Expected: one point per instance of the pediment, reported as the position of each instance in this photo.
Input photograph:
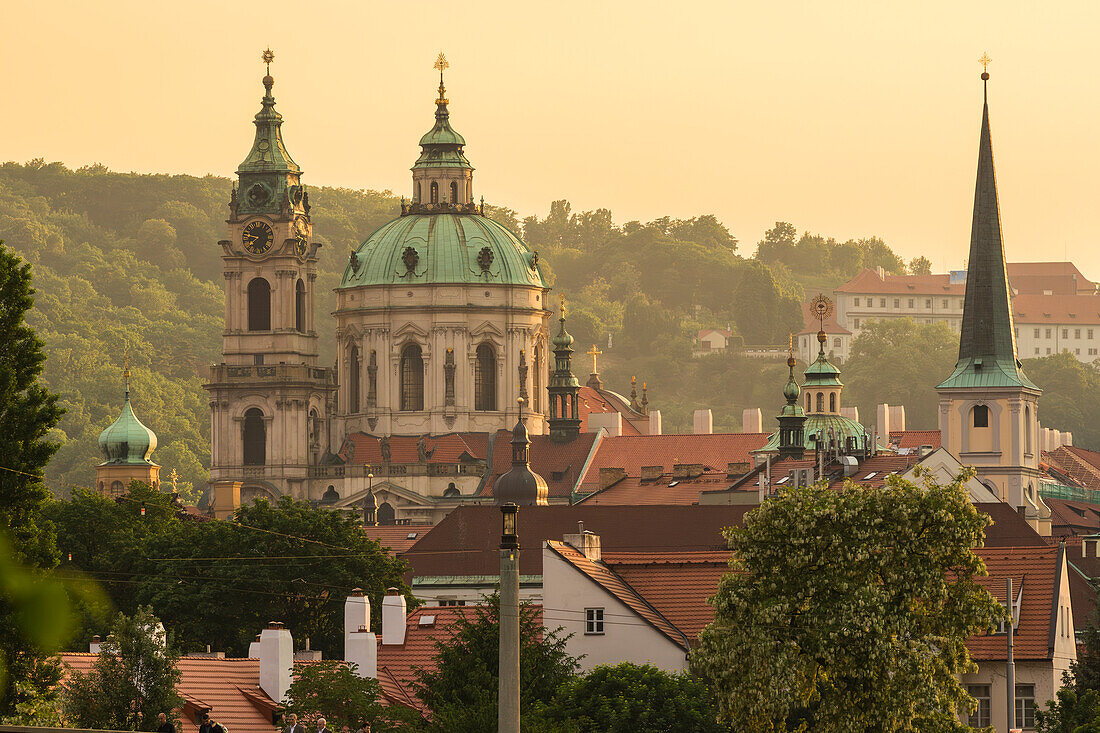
(486, 328)
(411, 329)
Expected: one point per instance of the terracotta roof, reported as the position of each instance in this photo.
(914, 438)
(601, 401)
(467, 541)
(600, 574)
(229, 688)
(396, 537)
(361, 448)
(1028, 309)
(1034, 570)
(1082, 590)
(1009, 528)
(1035, 277)
(560, 464)
(812, 325)
(721, 331)
(1025, 277)
(715, 451)
(868, 281)
(677, 584)
(1073, 518)
(1083, 466)
(634, 491)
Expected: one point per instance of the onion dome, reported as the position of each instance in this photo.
(127, 441)
(520, 486)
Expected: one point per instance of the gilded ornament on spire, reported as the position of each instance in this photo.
(267, 57)
(441, 64)
(985, 61)
(562, 298)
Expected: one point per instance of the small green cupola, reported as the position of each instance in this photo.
(792, 418)
(563, 388)
(442, 176)
(127, 441)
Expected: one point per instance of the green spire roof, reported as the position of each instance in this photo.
(987, 344)
(268, 154)
(441, 146)
(791, 393)
(822, 373)
(127, 441)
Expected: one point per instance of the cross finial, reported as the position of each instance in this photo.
(268, 56)
(126, 372)
(594, 352)
(985, 61)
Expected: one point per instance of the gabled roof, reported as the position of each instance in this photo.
(1073, 518)
(397, 537)
(635, 491)
(715, 451)
(1082, 465)
(1034, 572)
(1056, 310)
(902, 439)
(467, 541)
(561, 464)
(228, 688)
(600, 574)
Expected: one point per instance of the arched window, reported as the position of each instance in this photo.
(832, 402)
(386, 514)
(259, 305)
(117, 489)
(821, 402)
(255, 437)
(435, 192)
(836, 343)
(417, 192)
(454, 192)
(300, 306)
(412, 377)
(485, 382)
(353, 380)
(1027, 429)
(808, 403)
(536, 379)
(981, 416)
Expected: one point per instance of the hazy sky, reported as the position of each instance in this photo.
(847, 119)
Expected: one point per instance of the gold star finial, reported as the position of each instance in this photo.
(267, 57)
(985, 61)
(441, 64)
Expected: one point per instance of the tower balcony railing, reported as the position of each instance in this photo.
(400, 470)
(271, 372)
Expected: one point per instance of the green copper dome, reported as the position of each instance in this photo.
(836, 427)
(127, 441)
(445, 248)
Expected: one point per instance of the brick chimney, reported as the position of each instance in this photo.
(393, 617)
(652, 473)
(356, 615)
(362, 651)
(276, 660)
(611, 476)
(587, 543)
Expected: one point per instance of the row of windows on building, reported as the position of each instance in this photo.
(945, 303)
(259, 305)
(982, 716)
(434, 192)
(1049, 333)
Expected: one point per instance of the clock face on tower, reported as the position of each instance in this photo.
(257, 237)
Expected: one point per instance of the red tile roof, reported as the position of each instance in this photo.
(361, 448)
(812, 325)
(715, 451)
(633, 491)
(395, 537)
(560, 464)
(914, 438)
(600, 574)
(467, 541)
(398, 663)
(603, 401)
(1034, 570)
(1063, 278)
(677, 584)
(1082, 465)
(1056, 309)
(229, 688)
(1073, 518)
(868, 281)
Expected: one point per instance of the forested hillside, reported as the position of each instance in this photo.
(127, 266)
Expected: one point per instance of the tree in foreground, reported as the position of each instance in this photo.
(461, 690)
(332, 690)
(1077, 707)
(849, 611)
(628, 698)
(132, 681)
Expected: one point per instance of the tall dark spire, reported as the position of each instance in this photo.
(792, 418)
(563, 388)
(268, 154)
(987, 345)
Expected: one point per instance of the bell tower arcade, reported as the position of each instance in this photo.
(269, 400)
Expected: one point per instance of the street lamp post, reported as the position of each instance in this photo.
(508, 691)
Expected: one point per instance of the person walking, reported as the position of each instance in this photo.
(322, 726)
(292, 725)
(209, 725)
(165, 726)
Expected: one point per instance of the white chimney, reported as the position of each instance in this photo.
(897, 417)
(654, 422)
(93, 648)
(393, 617)
(883, 424)
(254, 648)
(612, 422)
(362, 651)
(276, 660)
(356, 615)
(850, 412)
(704, 422)
(1067, 437)
(752, 421)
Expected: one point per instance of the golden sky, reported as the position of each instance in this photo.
(845, 118)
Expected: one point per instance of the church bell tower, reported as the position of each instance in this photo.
(269, 400)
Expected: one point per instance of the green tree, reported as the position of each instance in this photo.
(1072, 712)
(132, 681)
(1071, 395)
(919, 357)
(461, 690)
(332, 690)
(628, 698)
(920, 266)
(849, 610)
